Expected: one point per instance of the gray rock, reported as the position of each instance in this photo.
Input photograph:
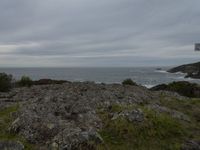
(75, 138)
(11, 145)
(135, 115)
(191, 145)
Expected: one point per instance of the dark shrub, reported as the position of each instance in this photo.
(25, 81)
(184, 88)
(128, 82)
(5, 82)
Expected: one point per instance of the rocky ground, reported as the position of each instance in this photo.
(89, 116)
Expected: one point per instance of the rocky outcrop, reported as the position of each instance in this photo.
(64, 115)
(192, 70)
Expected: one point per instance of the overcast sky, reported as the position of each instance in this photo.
(68, 33)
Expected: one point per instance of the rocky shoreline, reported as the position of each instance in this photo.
(192, 70)
(89, 116)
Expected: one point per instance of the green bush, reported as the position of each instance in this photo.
(25, 81)
(5, 82)
(128, 82)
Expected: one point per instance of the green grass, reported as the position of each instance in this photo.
(190, 107)
(6, 120)
(118, 108)
(157, 132)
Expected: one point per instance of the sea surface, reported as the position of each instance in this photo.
(146, 76)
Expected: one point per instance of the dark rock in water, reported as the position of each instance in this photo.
(184, 88)
(11, 145)
(158, 69)
(192, 70)
(191, 145)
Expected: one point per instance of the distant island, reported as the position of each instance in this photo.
(192, 70)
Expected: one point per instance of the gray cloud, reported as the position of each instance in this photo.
(98, 33)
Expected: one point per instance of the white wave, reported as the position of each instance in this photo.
(189, 79)
(181, 77)
(161, 71)
(180, 73)
(148, 85)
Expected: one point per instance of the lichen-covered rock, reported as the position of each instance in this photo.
(135, 115)
(75, 138)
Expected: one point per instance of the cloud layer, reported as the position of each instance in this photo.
(65, 33)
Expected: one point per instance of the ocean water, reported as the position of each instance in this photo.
(146, 76)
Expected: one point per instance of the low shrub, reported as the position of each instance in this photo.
(25, 81)
(184, 88)
(5, 82)
(128, 82)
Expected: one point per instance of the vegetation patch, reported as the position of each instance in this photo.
(156, 132)
(25, 81)
(6, 120)
(5, 82)
(128, 82)
(190, 107)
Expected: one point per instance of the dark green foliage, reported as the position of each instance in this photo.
(25, 81)
(128, 82)
(182, 87)
(5, 82)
